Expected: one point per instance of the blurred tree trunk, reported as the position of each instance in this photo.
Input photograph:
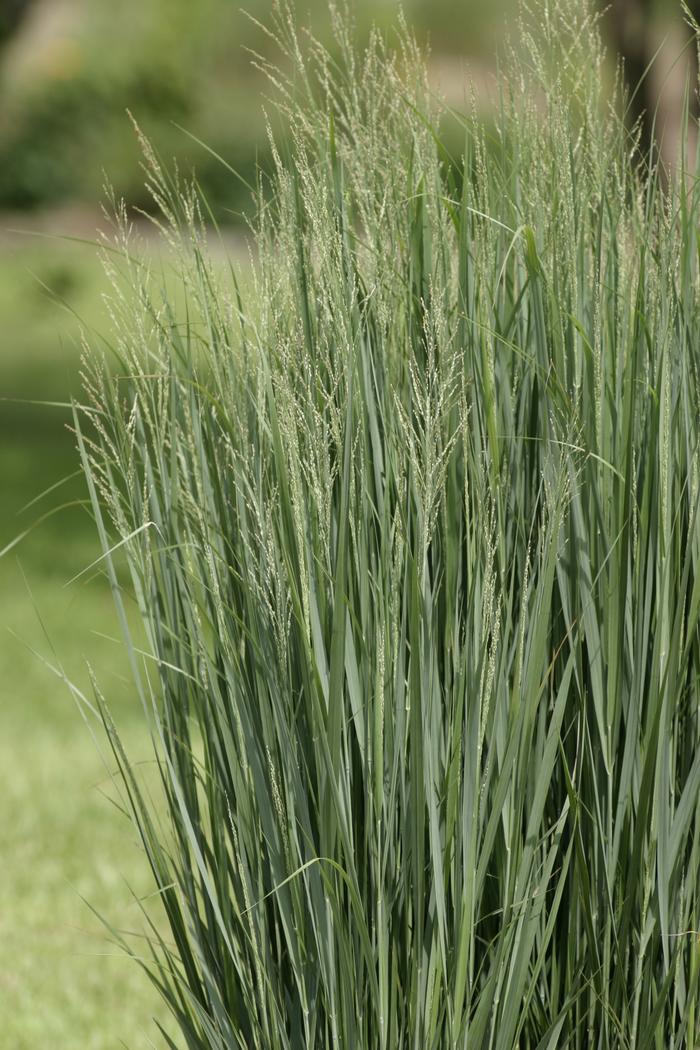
(629, 26)
(638, 29)
(11, 14)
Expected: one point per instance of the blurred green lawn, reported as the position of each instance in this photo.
(62, 985)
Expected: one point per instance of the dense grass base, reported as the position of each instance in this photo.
(412, 526)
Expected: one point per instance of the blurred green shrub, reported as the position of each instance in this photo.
(65, 100)
(50, 152)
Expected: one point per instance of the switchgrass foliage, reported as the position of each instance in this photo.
(411, 518)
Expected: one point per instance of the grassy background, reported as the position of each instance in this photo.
(60, 839)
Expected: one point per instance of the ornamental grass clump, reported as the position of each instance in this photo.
(410, 514)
